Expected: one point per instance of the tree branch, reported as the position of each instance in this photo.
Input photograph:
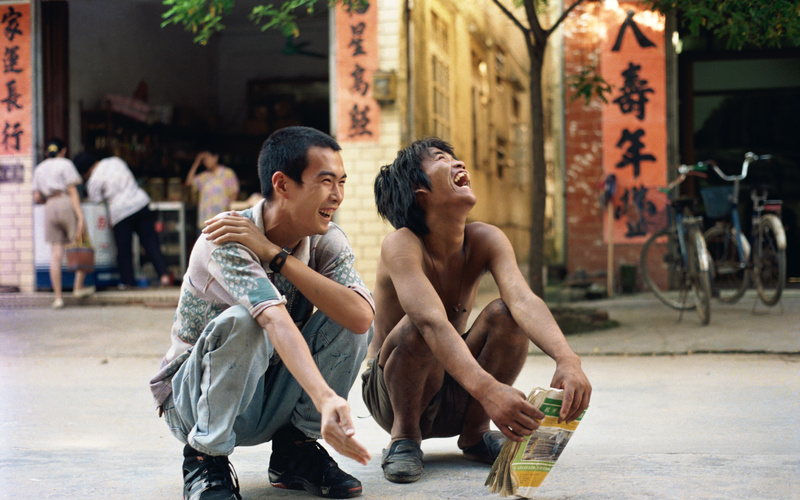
(538, 33)
(564, 16)
(512, 17)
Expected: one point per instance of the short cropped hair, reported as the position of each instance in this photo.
(286, 150)
(84, 161)
(395, 185)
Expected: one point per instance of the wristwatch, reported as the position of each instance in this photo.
(277, 262)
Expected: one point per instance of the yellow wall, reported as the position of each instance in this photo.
(488, 111)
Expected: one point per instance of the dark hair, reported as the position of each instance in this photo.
(286, 151)
(83, 162)
(396, 183)
(53, 147)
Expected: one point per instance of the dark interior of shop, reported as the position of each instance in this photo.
(116, 81)
(733, 103)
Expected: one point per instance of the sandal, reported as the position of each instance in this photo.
(487, 449)
(402, 462)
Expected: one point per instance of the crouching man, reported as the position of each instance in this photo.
(427, 376)
(249, 362)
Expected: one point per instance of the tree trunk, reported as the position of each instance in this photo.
(538, 171)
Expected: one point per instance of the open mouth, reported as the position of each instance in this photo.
(461, 179)
(326, 214)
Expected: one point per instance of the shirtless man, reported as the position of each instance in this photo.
(427, 376)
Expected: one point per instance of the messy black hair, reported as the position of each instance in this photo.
(395, 185)
(286, 150)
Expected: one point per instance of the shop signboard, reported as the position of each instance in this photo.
(634, 126)
(357, 111)
(16, 115)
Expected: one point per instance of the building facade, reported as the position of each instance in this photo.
(379, 79)
(457, 70)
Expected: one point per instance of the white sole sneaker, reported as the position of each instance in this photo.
(84, 292)
(57, 304)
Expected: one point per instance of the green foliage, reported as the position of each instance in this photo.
(587, 84)
(204, 17)
(741, 23)
(282, 18)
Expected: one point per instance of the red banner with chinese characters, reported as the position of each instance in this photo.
(357, 112)
(633, 62)
(16, 113)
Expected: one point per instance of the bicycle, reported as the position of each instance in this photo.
(735, 257)
(674, 259)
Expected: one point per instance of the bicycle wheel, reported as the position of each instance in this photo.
(728, 272)
(661, 265)
(769, 270)
(698, 274)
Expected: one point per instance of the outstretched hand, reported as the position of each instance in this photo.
(339, 432)
(236, 228)
(514, 416)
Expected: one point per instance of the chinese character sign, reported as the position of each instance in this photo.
(635, 119)
(357, 112)
(15, 80)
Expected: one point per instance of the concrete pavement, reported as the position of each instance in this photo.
(678, 410)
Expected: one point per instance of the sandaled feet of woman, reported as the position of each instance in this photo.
(402, 461)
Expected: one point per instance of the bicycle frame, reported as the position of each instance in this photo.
(682, 234)
(675, 212)
(682, 225)
(761, 254)
(758, 206)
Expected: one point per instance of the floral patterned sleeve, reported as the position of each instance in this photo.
(334, 258)
(240, 275)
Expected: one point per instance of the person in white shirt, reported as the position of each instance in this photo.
(54, 184)
(110, 181)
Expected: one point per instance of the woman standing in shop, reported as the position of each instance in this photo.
(217, 186)
(110, 181)
(54, 184)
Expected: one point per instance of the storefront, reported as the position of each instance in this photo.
(113, 79)
(115, 82)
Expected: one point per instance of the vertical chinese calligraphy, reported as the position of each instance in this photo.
(15, 87)
(633, 61)
(358, 114)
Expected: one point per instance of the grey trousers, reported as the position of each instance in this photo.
(232, 391)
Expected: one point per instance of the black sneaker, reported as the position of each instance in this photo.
(300, 463)
(208, 478)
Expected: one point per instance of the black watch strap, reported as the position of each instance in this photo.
(277, 262)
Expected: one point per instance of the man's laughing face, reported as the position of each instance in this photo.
(321, 192)
(448, 174)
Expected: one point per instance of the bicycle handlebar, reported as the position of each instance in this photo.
(683, 172)
(748, 158)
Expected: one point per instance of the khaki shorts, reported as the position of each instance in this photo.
(60, 221)
(444, 416)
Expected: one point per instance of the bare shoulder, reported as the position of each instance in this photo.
(398, 241)
(485, 235)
